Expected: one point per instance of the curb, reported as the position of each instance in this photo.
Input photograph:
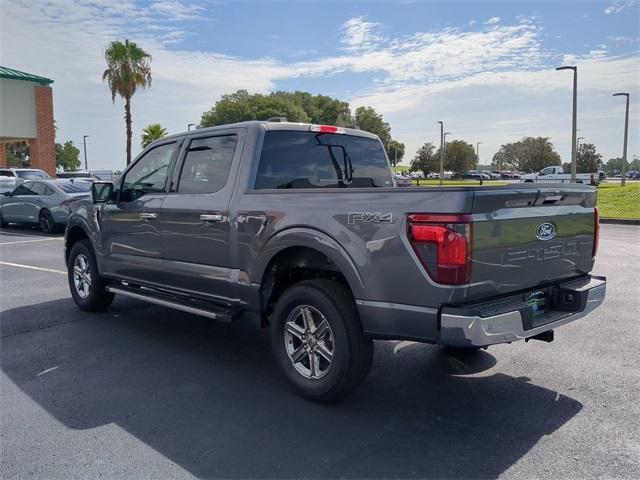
(621, 221)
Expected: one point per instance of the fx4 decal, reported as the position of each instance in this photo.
(367, 217)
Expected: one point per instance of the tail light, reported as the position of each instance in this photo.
(596, 231)
(66, 203)
(443, 245)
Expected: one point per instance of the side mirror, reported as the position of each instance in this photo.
(7, 193)
(101, 191)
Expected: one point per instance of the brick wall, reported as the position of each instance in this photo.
(42, 149)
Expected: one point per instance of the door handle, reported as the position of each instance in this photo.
(214, 217)
(148, 216)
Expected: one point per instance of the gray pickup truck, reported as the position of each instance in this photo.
(301, 228)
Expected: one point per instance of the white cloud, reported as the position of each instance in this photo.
(360, 35)
(492, 21)
(176, 10)
(620, 6)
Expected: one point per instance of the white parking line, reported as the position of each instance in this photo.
(29, 241)
(31, 267)
(5, 233)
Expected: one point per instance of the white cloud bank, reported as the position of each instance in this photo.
(493, 84)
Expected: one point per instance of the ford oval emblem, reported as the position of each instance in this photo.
(546, 231)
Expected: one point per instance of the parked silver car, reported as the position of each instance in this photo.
(43, 202)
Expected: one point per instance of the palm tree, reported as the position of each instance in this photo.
(151, 133)
(127, 70)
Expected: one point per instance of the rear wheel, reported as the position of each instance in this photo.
(47, 222)
(317, 340)
(88, 289)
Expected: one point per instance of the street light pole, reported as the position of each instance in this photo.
(478, 154)
(626, 134)
(441, 151)
(574, 132)
(84, 143)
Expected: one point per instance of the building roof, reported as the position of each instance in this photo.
(6, 72)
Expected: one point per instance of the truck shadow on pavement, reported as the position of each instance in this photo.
(207, 396)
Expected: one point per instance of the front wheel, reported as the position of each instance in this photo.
(317, 340)
(88, 289)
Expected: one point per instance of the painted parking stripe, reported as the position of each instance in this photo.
(4, 233)
(29, 241)
(31, 267)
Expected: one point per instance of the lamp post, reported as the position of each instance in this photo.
(478, 154)
(189, 126)
(84, 143)
(626, 135)
(441, 151)
(574, 133)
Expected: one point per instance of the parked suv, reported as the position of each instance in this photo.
(300, 228)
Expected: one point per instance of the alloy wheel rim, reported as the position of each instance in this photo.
(82, 276)
(309, 343)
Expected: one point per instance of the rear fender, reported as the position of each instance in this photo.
(315, 240)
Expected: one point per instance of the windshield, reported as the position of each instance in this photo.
(294, 159)
(31, 174)
(75, 187)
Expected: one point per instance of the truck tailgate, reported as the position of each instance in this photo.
(526, 237)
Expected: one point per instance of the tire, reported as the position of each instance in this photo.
(2, 222)
(91, 296)
(325, 301)
(47, 222)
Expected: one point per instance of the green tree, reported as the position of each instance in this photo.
(395, 151)
(426, 160)
(128, 68)
(613, 166)
(151, 133)
(368, 120)
(459, 156)
(17, 154)
(67, 156)
(588, 160)
(527, 155)
(241, 106)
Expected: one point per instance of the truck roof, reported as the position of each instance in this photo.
(270, 125)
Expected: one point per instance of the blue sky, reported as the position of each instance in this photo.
(485, 68)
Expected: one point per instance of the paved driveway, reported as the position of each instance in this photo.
(146, 392)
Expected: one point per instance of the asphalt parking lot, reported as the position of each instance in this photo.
(145, 392)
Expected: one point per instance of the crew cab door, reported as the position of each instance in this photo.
(195, 218)
(131, 238)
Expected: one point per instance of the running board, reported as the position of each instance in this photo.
(221, 314)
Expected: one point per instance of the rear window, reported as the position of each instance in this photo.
(31, 174)
(293, 159)
(75, 187)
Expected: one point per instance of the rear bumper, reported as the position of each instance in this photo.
(476, 326)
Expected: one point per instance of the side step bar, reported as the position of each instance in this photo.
(217, 315)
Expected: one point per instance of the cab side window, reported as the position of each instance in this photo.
(41, 189)
(148, 174)
(24, 189)
(207, 164)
